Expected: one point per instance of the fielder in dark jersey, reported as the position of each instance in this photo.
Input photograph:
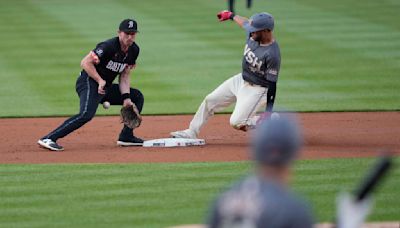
(113, 57)
(264, 199)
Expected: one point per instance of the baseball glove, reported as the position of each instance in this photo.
(130, 116)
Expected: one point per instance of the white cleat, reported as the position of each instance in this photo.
(50, 144)
(185, 134)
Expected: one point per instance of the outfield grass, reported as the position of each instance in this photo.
(159, 195)
(336, 55)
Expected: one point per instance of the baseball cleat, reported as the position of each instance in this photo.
(185, 134)
(50, 144)
(129, 141)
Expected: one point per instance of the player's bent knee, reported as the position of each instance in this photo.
(136, 94)
(138, 98)
(211, 100)
(86, 117)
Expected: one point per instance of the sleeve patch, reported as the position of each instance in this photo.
(99, 52)
(273, 72)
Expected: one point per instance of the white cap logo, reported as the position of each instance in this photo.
(130, 24)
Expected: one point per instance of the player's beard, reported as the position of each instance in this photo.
(129, 42)
(256, 36)
(258, 39)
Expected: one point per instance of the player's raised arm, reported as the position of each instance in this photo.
(226, 15)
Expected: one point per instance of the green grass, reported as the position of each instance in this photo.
(159, 195)
(336, 55)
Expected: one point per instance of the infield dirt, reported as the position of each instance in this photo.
(327, 135)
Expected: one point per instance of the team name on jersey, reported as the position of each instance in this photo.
(115, 66)
(252, 60)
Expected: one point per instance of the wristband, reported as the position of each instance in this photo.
(232, 16)
(125, 96)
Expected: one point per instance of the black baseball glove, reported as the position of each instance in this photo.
(130, 116)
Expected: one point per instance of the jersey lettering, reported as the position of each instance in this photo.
(115, 66)
(252, 60)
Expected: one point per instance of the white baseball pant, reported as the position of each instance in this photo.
(249, 99)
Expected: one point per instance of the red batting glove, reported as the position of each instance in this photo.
(225, 15)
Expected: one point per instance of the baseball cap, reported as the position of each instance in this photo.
(258, 22)
(277, 141)
(128, 25)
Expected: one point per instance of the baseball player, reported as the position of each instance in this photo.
(264, 199)
(113, 57)
(254, 87)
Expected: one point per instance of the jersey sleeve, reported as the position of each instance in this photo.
(103, 51)
(248, 35)
(273, 63)
(133, 55)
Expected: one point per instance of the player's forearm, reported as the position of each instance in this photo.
(124, 83)
(90, 70)
(240, 20)
(271, 96)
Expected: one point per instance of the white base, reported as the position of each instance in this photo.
(173, 142)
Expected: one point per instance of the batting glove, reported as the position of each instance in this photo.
(225, 15)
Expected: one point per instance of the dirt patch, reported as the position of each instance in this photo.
(327, 135)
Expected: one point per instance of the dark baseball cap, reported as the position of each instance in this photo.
(128, 25)
(277, 141)
(258, 22)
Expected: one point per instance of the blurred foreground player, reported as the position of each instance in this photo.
(264, 199)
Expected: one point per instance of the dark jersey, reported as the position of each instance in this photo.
(261, 63)
(257, 203)
(113, 60)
